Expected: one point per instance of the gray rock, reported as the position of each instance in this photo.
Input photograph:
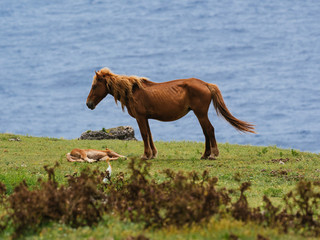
(122, 133)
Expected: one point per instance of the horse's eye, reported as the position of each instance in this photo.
(94, 87)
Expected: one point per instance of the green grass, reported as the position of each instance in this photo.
(24, 160)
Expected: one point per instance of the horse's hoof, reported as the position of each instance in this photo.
(144, 157)
(215, 152)
(212, 158)
(205, 156)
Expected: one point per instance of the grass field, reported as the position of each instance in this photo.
(272, 172)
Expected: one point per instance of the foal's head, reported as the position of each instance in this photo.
(98, 90)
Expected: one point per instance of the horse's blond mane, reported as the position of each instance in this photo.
(120, 86)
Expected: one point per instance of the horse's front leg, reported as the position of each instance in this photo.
(144, 130)
(153, 148)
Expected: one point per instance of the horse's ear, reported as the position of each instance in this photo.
(98, 75)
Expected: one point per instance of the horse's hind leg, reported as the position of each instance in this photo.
(211, 149)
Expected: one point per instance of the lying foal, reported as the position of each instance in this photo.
(92, 155)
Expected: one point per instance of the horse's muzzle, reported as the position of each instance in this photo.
(91, 105)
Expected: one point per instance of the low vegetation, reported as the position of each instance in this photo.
(248, 193)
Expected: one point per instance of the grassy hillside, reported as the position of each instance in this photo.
(272, 172)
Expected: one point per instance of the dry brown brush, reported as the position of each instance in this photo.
(182, 198)
(79, 203)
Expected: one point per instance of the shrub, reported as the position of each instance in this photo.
(78, 204)
(182, 199)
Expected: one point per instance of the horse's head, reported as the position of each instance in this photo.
(98, 90)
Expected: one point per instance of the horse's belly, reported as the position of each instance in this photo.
(95, 155)
(164, 102)
(169, 114)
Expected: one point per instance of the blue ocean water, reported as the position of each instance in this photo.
(264, 56)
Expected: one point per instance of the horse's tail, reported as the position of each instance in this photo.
(223, 111)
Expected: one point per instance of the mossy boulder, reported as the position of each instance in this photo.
(121, 132)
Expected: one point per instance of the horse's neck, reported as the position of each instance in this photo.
(110, 91)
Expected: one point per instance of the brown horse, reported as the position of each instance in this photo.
(166, 101)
